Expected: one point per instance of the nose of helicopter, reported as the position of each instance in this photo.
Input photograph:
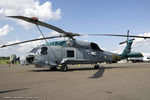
(30, 59)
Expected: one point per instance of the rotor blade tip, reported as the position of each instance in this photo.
(2, 46)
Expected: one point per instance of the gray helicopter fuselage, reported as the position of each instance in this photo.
(57, 53)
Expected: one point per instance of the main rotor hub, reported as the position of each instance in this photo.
(69, 34)
(34, 19)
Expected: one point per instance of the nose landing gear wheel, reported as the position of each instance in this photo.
(64, 68)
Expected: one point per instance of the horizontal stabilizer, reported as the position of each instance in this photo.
(126, 41)
(122, 42)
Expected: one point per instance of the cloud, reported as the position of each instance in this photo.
(54, 33)
(4, 30)
(30, 8)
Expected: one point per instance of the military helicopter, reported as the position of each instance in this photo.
(62, 53)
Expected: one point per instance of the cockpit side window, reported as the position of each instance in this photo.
(34, 50)
(44, 50)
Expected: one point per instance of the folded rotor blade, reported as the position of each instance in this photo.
(135, 36)
(34, 20)
(29, 41)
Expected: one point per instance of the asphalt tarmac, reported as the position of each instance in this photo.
(110, 82)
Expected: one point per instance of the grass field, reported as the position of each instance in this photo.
(4, 61)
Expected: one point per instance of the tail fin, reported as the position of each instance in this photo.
(127, 48)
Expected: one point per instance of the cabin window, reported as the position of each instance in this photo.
(43, 50)
(70, 53)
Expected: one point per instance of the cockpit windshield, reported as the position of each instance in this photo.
(94, 46)
(34, 50)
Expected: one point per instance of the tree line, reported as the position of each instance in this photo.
(4, 58)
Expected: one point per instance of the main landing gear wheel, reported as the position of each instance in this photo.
(96, 66)
(64, 68)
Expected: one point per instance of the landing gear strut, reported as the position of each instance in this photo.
(96, 66)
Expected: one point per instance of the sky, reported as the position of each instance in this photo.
(79, 16)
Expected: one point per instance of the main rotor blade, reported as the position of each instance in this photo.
(29, 41)
(135, 36)
(34, 20)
